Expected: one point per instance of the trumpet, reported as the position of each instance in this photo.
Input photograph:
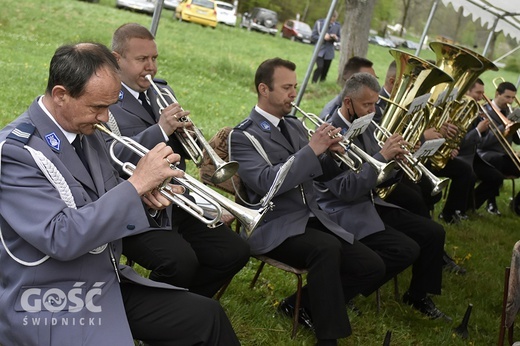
(249, 218)
(414, 168)
(359, 156)
(223, 170)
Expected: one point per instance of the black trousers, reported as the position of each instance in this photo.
(409, 196)
(162, 317)
(338, 271)
(460, 174)
(430, 236)
(505, 165)
(397, 250)
(321, 71)
(490, 181)
(189, 255)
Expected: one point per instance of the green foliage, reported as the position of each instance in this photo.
(212, 73)
(513, 64)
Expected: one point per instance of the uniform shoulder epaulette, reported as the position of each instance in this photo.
(160, 81)
(22, 133)
(244, 124)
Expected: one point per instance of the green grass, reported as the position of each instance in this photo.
(212, 73)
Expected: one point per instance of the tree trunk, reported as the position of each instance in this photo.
(354, 31)
(406, 5)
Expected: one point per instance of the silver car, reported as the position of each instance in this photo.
(144, 6)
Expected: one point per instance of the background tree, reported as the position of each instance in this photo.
(355, 30)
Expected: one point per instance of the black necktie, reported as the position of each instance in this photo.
(76, 143)
(283, 130)
(146, 105)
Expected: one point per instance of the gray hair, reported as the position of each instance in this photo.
(355, 84)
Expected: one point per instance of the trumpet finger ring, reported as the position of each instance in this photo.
(167, 160)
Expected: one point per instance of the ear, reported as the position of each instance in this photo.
(263, 89)
(59, 94)
(116, 55)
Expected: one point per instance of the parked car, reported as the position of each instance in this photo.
(296, 30)
(410, 44)
(226, 13)
(171, 4)
(260, 19)
(144, 6)
(203, 12)
(380, 41)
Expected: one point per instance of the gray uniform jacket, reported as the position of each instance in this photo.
(349, 198)
(135, 122)
(73, 298)
(296, 197)
(327, 48)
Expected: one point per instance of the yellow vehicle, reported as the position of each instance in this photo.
(203, 12)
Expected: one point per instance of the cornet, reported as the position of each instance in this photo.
(354, 156)
(223, 170)
(249, 218)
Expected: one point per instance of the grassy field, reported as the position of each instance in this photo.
(212, 72)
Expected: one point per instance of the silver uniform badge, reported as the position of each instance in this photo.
(53, 141)
(265, 125)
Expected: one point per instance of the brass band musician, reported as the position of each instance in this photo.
(498, 153)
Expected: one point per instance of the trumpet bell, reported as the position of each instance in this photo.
(439, 185)
(224, 172)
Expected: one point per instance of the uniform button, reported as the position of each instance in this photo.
(130, 227)
(312, 174)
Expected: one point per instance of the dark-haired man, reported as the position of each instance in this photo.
(297, 232)
(61, 282)
(492, 151)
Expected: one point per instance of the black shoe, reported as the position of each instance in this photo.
(450, 265)
(303, 317)
(455, 218)
(493, 209)
(426, 306)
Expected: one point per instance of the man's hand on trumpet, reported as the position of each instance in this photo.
(153, 169)
(326, 138)
(394, 148)
(170, 119)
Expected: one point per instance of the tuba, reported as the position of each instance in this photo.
(249, 218)
(223, 170)
(354, 156)
(465, 66)
(415, 77)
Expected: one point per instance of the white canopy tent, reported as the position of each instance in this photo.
(495, 15)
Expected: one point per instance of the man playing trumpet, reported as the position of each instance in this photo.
(61, 221)
(400, 237)
(187, 254)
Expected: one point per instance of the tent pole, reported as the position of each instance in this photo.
(427, 26)
(156, 17)
(314, 56)
(490, 36)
